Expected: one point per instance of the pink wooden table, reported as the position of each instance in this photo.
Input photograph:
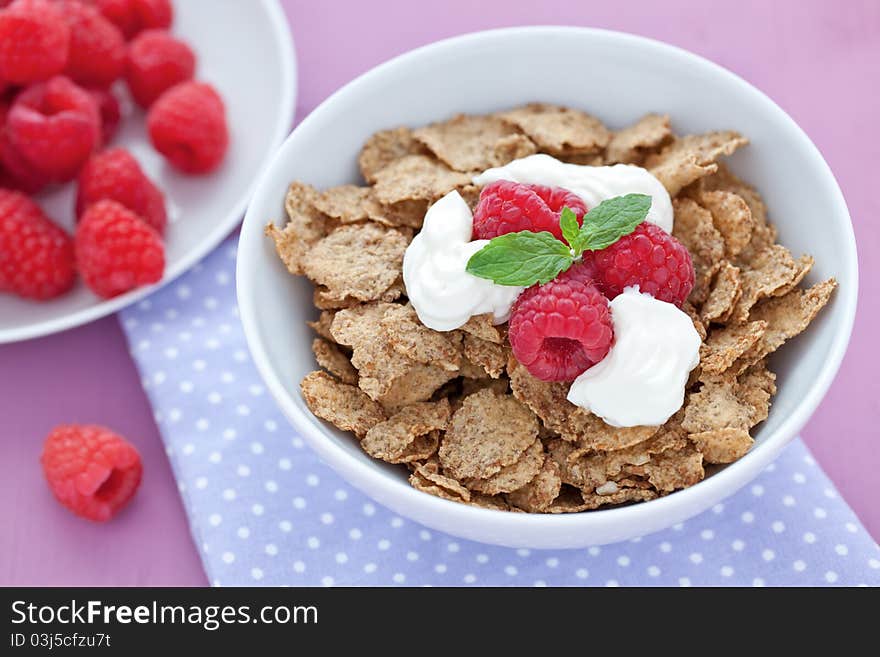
(819, 60)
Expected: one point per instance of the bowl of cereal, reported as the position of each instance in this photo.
(533, 315)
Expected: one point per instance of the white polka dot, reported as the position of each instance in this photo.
(202, 482)
(383, 544)
(183, 291)
(523, 552)
(851, 527)
(453, 547)
(215, 457)
(726, 571)
(243, 409)
(696, 557)
(312, 480)
(718, 508)
(412, 556)
(240, 356)
(552, 562)
(327, 581)
(341, 557)
(255, 389)
(540, 583)
(510, 570)
(665, 547)
(243, 532)
(874, 563)
(841, 549)
(653, 571)
(831, 577)
(228, 557)
(285, 525)
(369, 509)
(425, 535)
(440, 568)
(355, 534)
(768, 555)
(159, 378)
(189, 448)
(327, 518)
(285, 464)
(482, 558)
(809, 537)
(623, 561)
(215, 519)
(684, 581)
(370, 568)
(747, 517)
(778, 527)
(171, 353)
(257, 448)
(788, 500)
(771, 468)
(707, 534)
(829, 493)
(313, 542)
(186, 387)
(271, 486)
(340, 495)
(229, 434)
(678, 526)
(299, 503)
(396, 522)
(256, 573)
(145, 305)
(398, 578)
(758, 582)
(229, 494)
(257, 509)
(174, 414)
(582, 573)
(798, 478)
(243, 471)
(214, 398)
(297, 442)
(819, 512)
(612, 583)
(299, 567)
(738, 545)
(757, 490)
(199, 365)
(225, 377)
(594, 551)
(469, 578)
(212, 343)
(799, 565)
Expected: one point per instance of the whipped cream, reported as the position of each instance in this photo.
(642, 379)
(444, 295)
(592, 184)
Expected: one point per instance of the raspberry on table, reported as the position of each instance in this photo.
(117, 176)
(116, 251)
(110, 112)
(562, 328)
(34, 41)
(650, 258)
(54, 126)
(156, 62)
(91, 470)
(132, 16)
(187, 125)
(36, 255)
(97, 47)
(510, 207)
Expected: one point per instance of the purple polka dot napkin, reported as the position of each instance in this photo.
(264, 510)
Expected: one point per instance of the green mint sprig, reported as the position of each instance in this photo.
(525, 258)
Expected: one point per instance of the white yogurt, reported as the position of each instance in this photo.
(592, 184)
(440, 289)
(642, 379)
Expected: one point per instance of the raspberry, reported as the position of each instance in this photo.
(116, 175)
(650, 258)
(187, 125)
(34, 41)
(156, 62)
(116, 251)
(132, 16)
(509, 207)
(36, 256)
(97, 48)
(54, 126)
(110, 111)
(562, 328)
(15, 173)
(91, 470)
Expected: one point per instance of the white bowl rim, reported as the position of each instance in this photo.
(284, 39)
(718, 486)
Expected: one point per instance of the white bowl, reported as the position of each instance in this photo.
(202, 210)
(617, 77)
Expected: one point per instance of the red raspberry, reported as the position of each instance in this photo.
(156, 62)
(132, 16)
(15, 173)
(117, 176)
(116, 251)
(91, 470)
(34, 41)
(36, 256)
(562, 328)
(188, 126)
(650, 258)
(97, 48)
(509, 207)
(110, 111)
(54, 126)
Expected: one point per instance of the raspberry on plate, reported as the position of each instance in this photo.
(54, 126)
(16, 173)
(110, 111)
(156, 62)
(117, 176)
(116, 251)
(97, 47)
(560, 329)
(132, 16)
(187, 125)
(36, 256)
(510, 207)
(91, 470)
(650, 258)
(34, 41)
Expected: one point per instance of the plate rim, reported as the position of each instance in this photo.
(283, 37)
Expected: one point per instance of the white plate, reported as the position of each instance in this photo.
(618, 77)
(243, 48)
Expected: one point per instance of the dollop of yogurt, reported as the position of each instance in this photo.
(592, 184)
(444, 295)
(642, 379)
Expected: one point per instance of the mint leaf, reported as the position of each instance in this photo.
(569, 224)
(611, 220)
(521, 259)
